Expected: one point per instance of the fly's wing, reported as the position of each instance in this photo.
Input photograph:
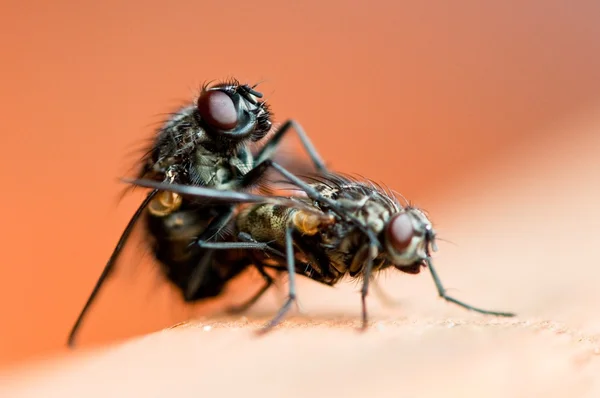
(131, 269)
(132, 251)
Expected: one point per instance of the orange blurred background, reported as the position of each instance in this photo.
(419, 96)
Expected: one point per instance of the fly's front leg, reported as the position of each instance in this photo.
(442, 292)
(270, 147)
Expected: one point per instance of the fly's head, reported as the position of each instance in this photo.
(223, 117)
(232, 112)
(408, 239)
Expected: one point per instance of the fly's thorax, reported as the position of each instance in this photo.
(171, 152)
(405, 233)
(179, 136)
(220, 170)
(372, 213)
(344, 243)
(371, 206)
(347, 249)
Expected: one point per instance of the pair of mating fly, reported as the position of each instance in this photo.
(206, 228)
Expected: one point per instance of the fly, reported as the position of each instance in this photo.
(340, 227)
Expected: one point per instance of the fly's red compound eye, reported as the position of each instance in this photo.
(218, 110)
(400, 231)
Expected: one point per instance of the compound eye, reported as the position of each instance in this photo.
(218, 110)
(400, 231)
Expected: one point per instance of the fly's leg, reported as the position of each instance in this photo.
(281, 294)
(203, 242)
(253, 245)
(442, 292)
(270, 147)
(247, 242)
(211, 196)
(269, 281)
(289, 251)
(205, 263)
(281, 270)
(365, 287)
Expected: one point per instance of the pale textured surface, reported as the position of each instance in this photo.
(438, 357)
(528, 236)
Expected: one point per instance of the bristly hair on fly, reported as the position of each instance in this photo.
(340, 182)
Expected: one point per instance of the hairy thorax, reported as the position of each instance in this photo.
(218, 170)
(345, 245)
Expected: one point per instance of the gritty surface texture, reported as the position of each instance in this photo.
(411, 357)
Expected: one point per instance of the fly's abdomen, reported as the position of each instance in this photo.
(265, 222)
(174, 232)
(173, 236)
